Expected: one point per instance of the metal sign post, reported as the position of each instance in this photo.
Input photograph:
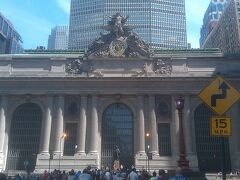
(219, 95)
(221, 127)
(223, 159)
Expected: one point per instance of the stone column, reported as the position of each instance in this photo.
(153, 126)
(174, 128)
(140, 136)
(187, 126)
(93, 143)
(3, 109)
(46, 127)
(82, 125)
(59, 125)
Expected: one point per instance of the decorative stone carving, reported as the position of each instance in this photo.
(97, 74)
(28, 97)
(117, 48)
(162, 66)
(119, 42)
(142, 72)
(79, 66)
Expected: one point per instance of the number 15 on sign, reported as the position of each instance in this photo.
(221, 126)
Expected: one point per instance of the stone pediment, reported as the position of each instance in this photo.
(119, 42)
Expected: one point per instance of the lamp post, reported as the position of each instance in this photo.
(147, 151)
(148, 156)
(183, 163)
(60, 154)
(49, 163)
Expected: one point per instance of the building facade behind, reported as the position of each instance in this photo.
(162, 24)
(10, 40)
(226, 34)
(58, 39)
(211, 17)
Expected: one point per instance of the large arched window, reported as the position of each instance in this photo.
(24, 137)
(209, 148)
(117, 134)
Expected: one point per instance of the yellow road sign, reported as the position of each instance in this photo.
(221, 126)
(219, 95)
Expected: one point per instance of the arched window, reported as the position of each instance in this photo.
(24, 137)
(209, 148)
(117, 135)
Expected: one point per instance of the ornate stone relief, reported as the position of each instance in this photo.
(97, 74)
(119, 41)
(79, 66)
(162, 66)
(142, 72)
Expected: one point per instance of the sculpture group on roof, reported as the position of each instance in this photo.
(119, 42)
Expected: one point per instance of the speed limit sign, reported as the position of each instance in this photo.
(221, 126)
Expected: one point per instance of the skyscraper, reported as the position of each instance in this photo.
(10, 40)
(211, 18)
(58, 39)
(226, 34)
(162, 24)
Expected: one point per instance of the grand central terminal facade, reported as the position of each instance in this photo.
(68, 110)
(117, 101)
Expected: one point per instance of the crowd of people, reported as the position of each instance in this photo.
(100, 174)
(106, 174)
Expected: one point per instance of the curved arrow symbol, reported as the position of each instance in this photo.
(214, 97)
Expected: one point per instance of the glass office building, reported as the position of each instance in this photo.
(161, 23)
(211, 18)
(10, 40)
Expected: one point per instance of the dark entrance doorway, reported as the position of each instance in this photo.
(117, 133)
(209, 149)
(24, 137)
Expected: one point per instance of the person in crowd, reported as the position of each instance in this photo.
(71, 173)
(3, 176)
(161, 174)
(85, 175)
(178, 175)
(19, 177)
(133, 175)
(98, 174)
(77, 174)
(64, 176)
(108, 175)
(154, 176)
(45, 175)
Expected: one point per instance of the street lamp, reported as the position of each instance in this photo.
(148, 156)
(182, 162)
(49, 163)
(147, 150)
(60, 154)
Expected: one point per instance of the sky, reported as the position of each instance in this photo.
(33, 19)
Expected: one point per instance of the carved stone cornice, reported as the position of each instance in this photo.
(162, 66)
(79, 66)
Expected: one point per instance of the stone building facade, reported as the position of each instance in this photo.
(103, 102)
